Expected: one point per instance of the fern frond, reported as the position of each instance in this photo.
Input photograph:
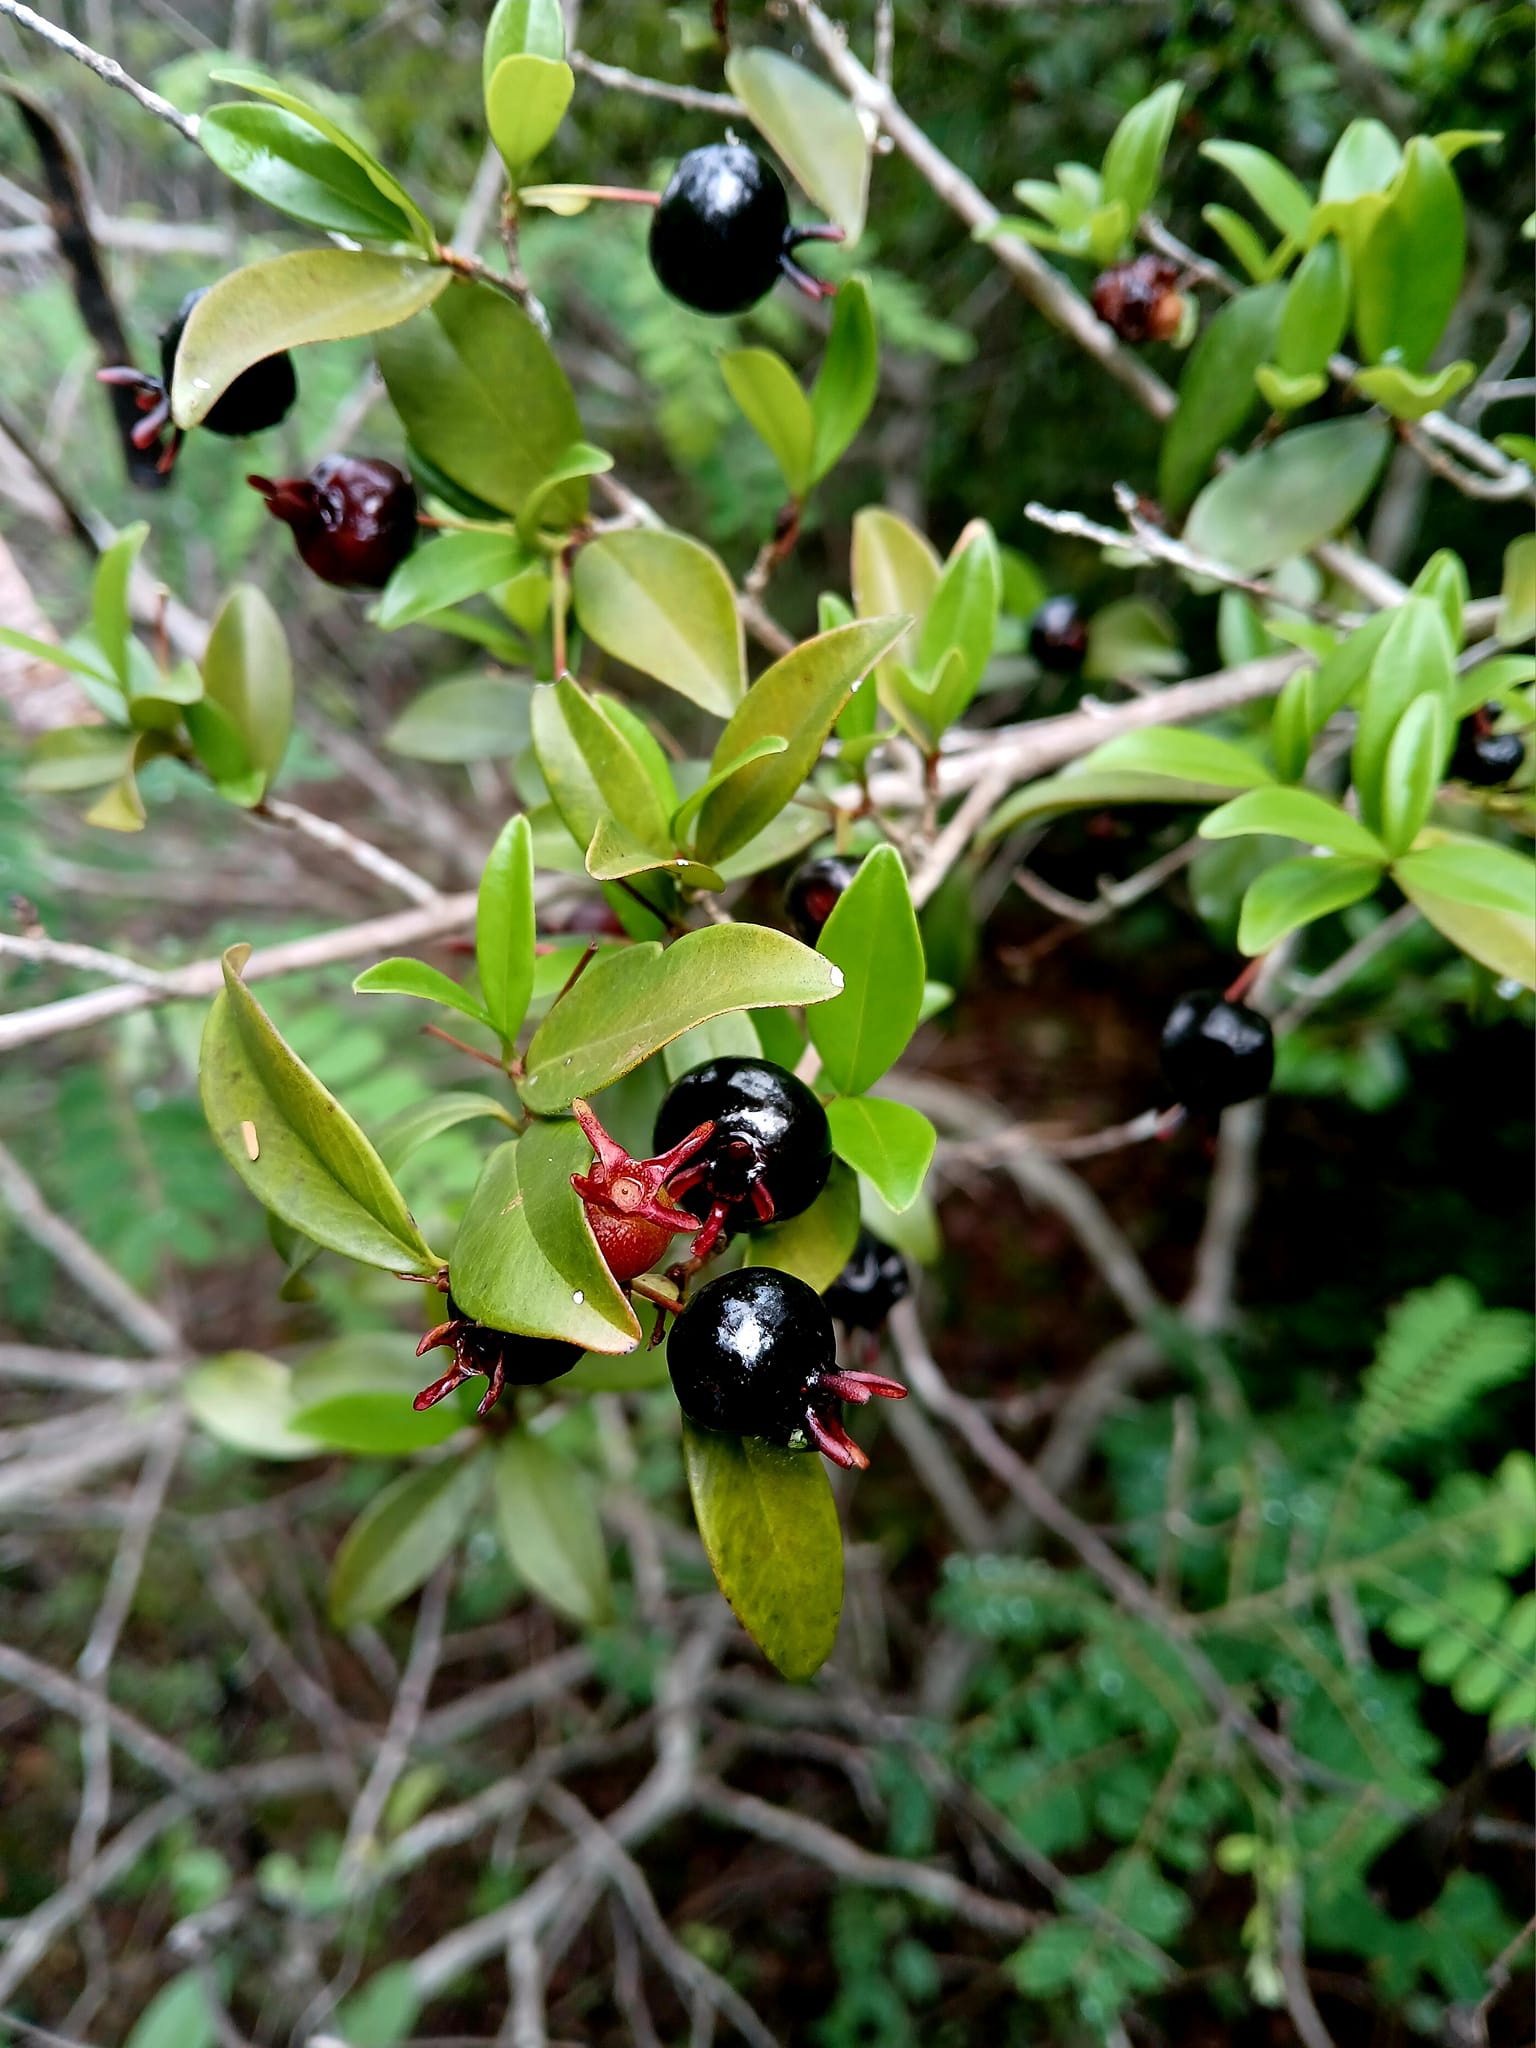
(1441, 1349)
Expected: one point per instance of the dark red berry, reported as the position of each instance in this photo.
(813, 890)
(722, 235)
(503, 1358)
(1483, 757)
(260, 397)
(353, 519)
(769, 1154)
(1140, 300)
(633, 1217)
(1058, 636)
(754, 1354)
(870, 1285)
(1216, 1052)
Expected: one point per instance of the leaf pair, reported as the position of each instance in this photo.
(1094, 213)
(808, 433)
(956, 604)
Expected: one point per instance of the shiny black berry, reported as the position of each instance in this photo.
(1058, 636)
(353, 519)
(503, 1359)
(1483, 757)
(260, 397)
(769, 1155)
(1216, 1052)
(870, 1285)
(813, 890)
(754, 1354)
(721, 234)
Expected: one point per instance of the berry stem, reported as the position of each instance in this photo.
(1245, 980)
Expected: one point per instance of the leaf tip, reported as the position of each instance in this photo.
(234, 961)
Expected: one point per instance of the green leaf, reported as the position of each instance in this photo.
(1298, 892)
(76, 757)
(504, 929)
(1413, 768)
(1517, 598)
(688, 810)
(1409, 396)
(525, 1260)
(1294, 814)
(1366, 158)
(516, 26)
(405, 977)
(1246, 244)
(730, 1035)
(525, 102)
(799, 698)
(1280, 197)
(247, 673)
(1473, 871)
(768, 392)
(1444, 578)
(1092, 789)
(285, 302)
(1131, 637)
(1482, 905)
(1409, 271)
(469, 718)
(247, 1401)
(1183, 755)
(848, 379)
(402, 1135)
(1133, 162)
(549, 1528)
(630, 1003)
(1316, 311)
(314, 1167)
(111, 618)
(446, 571)
(872, 937)
(178, 2016)
(388, 187)
(895, 570)
(401, 1538)
(102, 687)
(483, 398)
(593, 770)
(1285, 498)
(614, 856)
(1283, 392)
(372, 1422)
(816, 1244)
(576, 464)
(770, 1527)
(811, 126)
(1216, 391)
(961, 621)
(284, 160)
(1414, 658)
(889, 1143)
(664, 604)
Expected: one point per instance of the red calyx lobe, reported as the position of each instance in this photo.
(633, 1216)
(353, 519)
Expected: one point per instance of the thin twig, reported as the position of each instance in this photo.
(617, 79)
(104, 67)
(405, 1717)
(371, 859)
(146, 1324)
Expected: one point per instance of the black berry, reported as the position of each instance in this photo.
(1140, 300)
(813, 890)
(870, 1285)
(1058, 636)
(353, 519)
(260, 397)
(1483, 757)
(1216, 1052)
(771, 1150)
(504, 1359)
(754, 1354)
(721, 234)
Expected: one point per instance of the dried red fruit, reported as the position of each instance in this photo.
(1140, 300)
